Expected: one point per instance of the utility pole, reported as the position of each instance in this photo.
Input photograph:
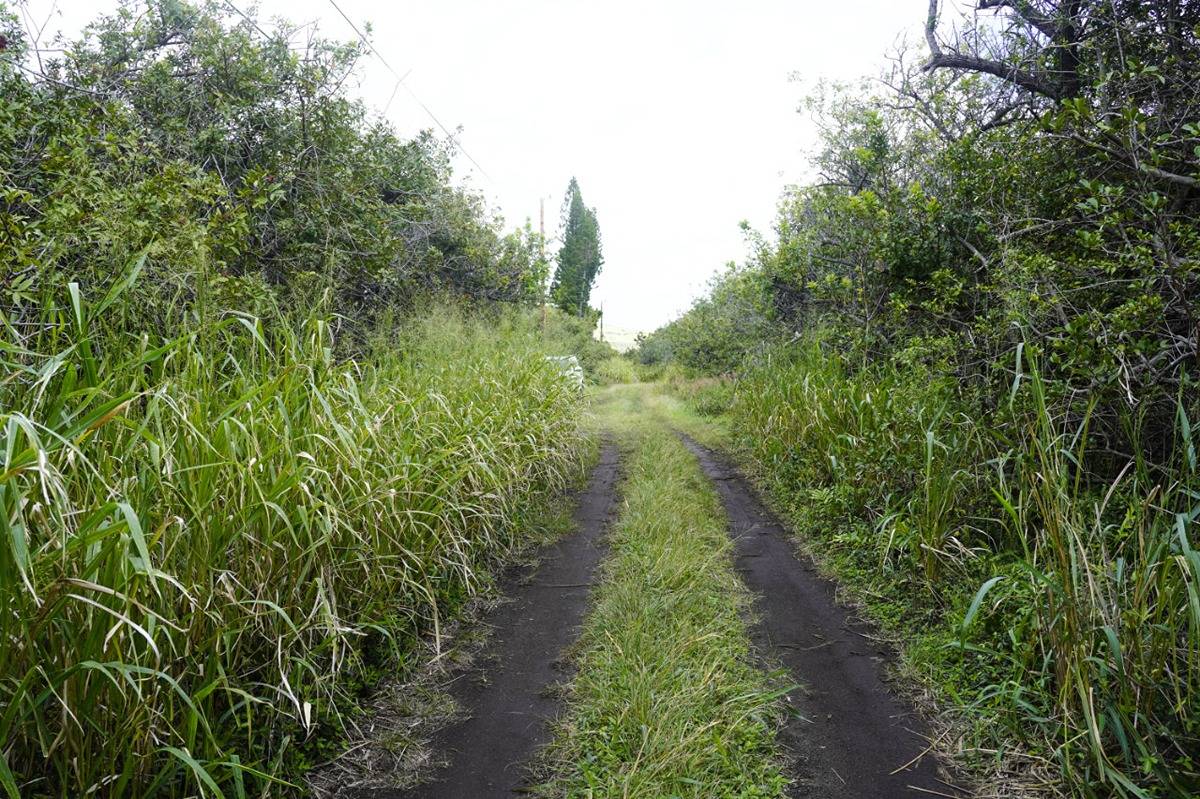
(602, 320)
(542, 256)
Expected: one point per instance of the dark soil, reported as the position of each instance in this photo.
(851, 736)
(509, 694)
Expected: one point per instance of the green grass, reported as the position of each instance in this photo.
(655, 403)
(616, 369)
(668, 701)
(207, 545)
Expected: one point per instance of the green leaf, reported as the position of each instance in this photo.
(973, 610)
(118, 288)
(139, 540)
(197, 769)
(7, 780)
(1185, 431)
(1016, 383)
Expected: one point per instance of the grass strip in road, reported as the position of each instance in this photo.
(667, 701)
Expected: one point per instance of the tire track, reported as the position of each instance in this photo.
(510, 700)
(851, 736)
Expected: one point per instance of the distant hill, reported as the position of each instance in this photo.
(622, 339)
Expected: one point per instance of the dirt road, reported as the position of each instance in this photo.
(851, 736)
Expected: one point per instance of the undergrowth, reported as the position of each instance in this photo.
(1054, 608)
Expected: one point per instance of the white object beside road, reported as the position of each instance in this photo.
(568, 366)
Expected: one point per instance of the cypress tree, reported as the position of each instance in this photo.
(579, 258)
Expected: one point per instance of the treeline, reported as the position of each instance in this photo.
(968, 361)
(233, 158)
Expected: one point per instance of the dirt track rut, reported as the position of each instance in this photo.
(511, 704)
(854, 738)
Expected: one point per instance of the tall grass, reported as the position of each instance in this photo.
(1060, 607)
(207, 544)
(889, 448)
(1109, 590)
(616, 369)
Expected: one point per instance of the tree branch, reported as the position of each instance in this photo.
(1047, 25)
(931, 21)
(943, 60)
(1001, 117)
(1138, 164)
(1021, 77)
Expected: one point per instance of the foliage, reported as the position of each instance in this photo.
(1060, 610)
(580, 257)
(210, 541)
(942, 230)
(237, 159)
(566, 333)
(718, 332)
(616, 369)
(240, 473)
(985, 413)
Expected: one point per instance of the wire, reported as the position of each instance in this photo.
(400, 82)
(249, 19)
(362, 37)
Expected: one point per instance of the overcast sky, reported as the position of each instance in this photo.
(678, 117)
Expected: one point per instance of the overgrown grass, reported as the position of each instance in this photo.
(667, 701)
(566, 334)
(1057, 609)
(707, 396)
(616, 369)
(209, 543)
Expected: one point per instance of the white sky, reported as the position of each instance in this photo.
(678, 117)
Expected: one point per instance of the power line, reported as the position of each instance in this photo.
(249, 19)
(400, 82)
(362, 37)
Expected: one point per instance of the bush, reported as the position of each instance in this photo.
(242, 170)
(718, 332)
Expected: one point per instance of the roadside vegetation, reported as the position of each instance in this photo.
(668, 700)
(965, 366)
(274, 399)
(211, 544)
(616, 369)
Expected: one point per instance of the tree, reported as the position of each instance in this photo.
(235, 158)
(1103, 94)
(1125, 69)
(580, 258)
(1046, 61)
